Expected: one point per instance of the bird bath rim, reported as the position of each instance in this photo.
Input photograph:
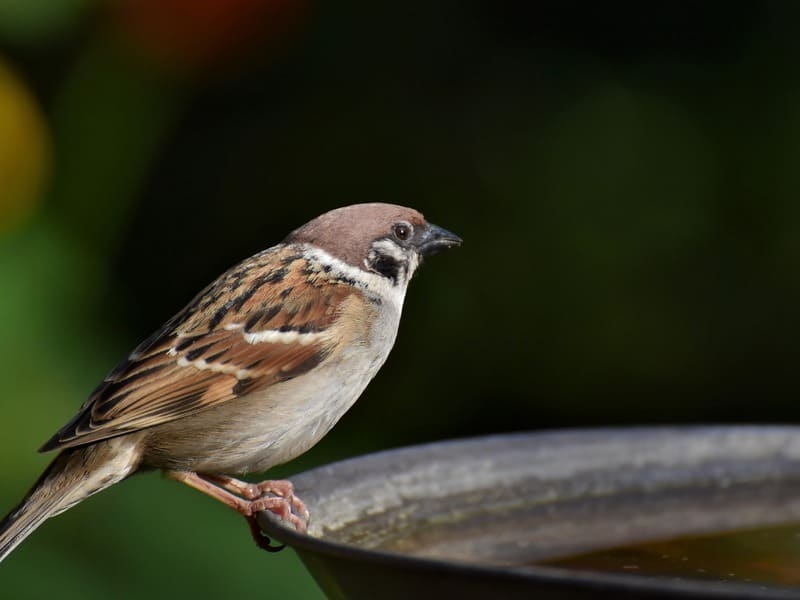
(658, 459)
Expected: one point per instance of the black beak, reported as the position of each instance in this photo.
(434, 239)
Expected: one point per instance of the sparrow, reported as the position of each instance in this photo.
(253, 372)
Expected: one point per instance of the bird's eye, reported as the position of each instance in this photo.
(402, 231)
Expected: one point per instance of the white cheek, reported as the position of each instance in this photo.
(389, 248)
(370, 282)
(413, 264)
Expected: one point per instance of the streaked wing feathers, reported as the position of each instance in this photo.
(265, 321)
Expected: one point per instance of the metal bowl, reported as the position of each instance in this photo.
(472, 518)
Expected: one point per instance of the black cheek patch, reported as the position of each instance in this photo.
(387, 266)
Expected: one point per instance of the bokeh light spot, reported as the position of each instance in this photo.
(24, 150)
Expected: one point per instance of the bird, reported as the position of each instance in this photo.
(253, 372)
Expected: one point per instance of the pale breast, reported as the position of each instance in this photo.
(271, 426)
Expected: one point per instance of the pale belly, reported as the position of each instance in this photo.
(267, 428)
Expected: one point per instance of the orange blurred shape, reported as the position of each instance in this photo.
(24, 150)
(196, 34)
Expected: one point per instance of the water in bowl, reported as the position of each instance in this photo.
(767, 556)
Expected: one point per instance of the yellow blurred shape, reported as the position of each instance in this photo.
(24, 150)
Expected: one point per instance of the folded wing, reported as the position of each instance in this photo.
(265, 321)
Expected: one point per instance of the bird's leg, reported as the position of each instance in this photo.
(245, 489)
(252, 491)
(247, 507)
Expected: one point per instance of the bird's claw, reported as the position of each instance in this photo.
(283, 508)
(261, 539)
(292, 509)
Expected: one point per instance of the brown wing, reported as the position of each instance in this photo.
(262, 322)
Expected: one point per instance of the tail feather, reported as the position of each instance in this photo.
(38, 505)
(74, 475)
(22, 522)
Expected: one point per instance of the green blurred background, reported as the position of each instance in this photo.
(625, 177)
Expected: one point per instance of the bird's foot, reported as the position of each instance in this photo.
(277, 496)
(281, 488)
(280, 500)
(281, 507)
(261, 539)
(248, 499)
